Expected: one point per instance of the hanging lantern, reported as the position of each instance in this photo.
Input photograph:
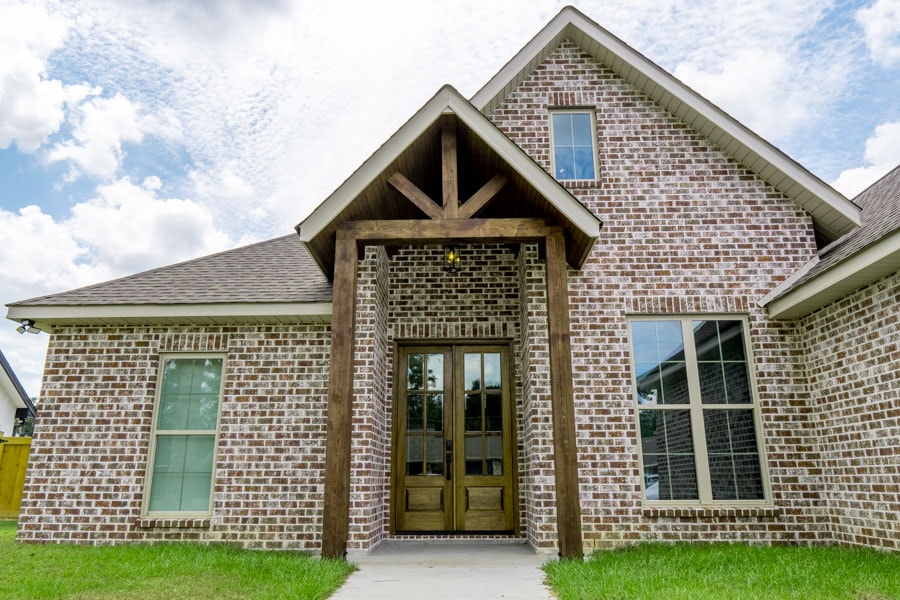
(451, 259)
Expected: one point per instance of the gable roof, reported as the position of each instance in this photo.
(12, 388)
(275, 280)
(367, 195)
(857, 259)
(833, 215)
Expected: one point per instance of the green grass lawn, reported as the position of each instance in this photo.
(157, 572)
(729, 572)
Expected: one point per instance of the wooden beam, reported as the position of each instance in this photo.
(412, 232)
(482, 196)
(449, 173)
(336, 516)
(568, 502)
(412, 193)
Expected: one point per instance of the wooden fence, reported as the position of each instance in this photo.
(13, 462)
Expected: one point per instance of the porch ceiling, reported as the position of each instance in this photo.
(415, 152)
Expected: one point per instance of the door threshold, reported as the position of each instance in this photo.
(455, 538)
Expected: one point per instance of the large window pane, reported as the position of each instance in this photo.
(668, 454)
(181, 479)
(724, 378)
(733, 456)
(182, 473)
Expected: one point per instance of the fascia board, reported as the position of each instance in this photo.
(354, 185)
(864, 267)
(96, 312)
(9, 391)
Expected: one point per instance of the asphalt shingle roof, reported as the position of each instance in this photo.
(277, 270)
(880, 205)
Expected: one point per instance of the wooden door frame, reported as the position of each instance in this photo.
(453, 344)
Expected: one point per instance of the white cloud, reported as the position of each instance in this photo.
(767, 63)
(751, 83)
(882, 154)
(881, 23)
(31, 105)
(102, 126)
(128, 229)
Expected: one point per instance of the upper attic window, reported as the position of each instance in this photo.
(574, 152)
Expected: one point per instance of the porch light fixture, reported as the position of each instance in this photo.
(27, 325)
(451, 259)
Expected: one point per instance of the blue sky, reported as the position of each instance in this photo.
(137, 133)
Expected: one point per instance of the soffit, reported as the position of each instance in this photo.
(833, 214)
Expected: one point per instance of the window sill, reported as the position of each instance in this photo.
(706, 512)
(578, 183)
(174, 523)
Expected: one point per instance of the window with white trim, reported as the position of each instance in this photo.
(698, 416)
(573, 147)
(185, 432)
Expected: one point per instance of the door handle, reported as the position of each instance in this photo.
(448, 459)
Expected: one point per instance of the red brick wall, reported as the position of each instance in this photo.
(88, 465)
(686, 230)
(853, 349)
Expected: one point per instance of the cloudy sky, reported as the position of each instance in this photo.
(136, 133)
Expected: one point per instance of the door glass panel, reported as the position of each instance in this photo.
(435, 419)
(414, 416)
(415, 454)
(414, 374)
(472, 371)
(474, 456)
(493, 412)
(473, 412)
(494, 454)
(435, 452)
(492, 371)
(435, 372)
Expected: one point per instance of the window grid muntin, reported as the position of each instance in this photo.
(699, 409)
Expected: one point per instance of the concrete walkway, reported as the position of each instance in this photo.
(410, 569)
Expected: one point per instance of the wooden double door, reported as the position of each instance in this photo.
(453, 457)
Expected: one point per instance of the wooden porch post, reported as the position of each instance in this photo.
(568, 502)
(336, 516)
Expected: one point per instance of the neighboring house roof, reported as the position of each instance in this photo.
(275, 280)
(415, 150)
(833, 215)
(860, 257)
(11, 388)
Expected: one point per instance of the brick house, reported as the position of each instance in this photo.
(582, 309)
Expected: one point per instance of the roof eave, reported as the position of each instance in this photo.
(868, 265)
(833, 214)
(49, 316)
(11, 381)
